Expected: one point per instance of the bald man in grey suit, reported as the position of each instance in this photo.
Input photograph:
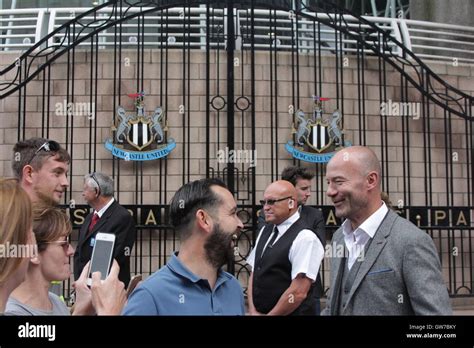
(389, 266)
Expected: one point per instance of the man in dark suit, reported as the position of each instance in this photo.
(389, 266)
(108, 217)
(301, 179)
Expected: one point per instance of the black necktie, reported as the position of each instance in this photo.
(270, 244)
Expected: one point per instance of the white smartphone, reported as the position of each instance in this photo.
(101, 255)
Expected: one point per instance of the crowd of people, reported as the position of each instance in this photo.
(30, 217)
(389, 266)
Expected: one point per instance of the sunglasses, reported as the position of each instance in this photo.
(48, 146)
(64, 243)
(273, 201)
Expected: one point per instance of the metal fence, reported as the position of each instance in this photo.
(21, 29)
(240, 32)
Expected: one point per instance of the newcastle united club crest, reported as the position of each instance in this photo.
(139, 137)
(316, 139)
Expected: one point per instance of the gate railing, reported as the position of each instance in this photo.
(350, 33)
(22, 28)
(155, 242)
(337, 33)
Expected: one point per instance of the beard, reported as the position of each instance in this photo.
(45, 199)
(218, 247)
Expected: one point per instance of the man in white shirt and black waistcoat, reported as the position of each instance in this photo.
(286, 258)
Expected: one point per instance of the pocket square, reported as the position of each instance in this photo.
(383, 270)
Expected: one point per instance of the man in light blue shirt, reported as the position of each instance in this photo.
(204, 214)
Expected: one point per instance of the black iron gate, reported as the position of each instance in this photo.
(230, 76)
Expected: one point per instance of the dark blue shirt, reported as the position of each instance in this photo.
(175, 290)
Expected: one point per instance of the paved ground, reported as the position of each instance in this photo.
(463, 305)
(463, 311)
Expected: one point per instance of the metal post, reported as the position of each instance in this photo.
(10, 24)
(230, 89)
(393, 9)
(374, 8)
(230, 104)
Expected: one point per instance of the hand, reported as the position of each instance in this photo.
(83, 304)
(108, 296)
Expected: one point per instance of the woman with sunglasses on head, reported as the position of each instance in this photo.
(52, 228)
(15, 232)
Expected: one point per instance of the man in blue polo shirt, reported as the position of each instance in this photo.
(204, 214)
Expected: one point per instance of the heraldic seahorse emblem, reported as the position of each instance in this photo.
(317, 134)
(140, 131)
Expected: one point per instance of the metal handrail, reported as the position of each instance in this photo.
(22, 28)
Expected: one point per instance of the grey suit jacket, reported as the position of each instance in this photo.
(399, 275)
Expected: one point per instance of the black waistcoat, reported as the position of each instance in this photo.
(272, 272)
